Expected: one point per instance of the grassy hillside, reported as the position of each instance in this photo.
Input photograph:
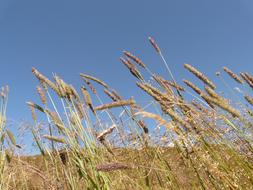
(149, 168)
(172, 142)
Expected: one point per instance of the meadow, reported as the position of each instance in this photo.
(185, 137)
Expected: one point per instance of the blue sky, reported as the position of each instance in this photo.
(69, 37)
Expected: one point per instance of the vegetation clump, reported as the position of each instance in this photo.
(201, 139)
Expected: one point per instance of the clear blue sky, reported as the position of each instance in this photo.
(69, 37)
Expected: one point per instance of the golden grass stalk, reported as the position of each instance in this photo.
(177, 118)
(249, 99)
(233, 75)
(163, 83)
(200, 107)
(90, 86)
(42, 95)
(250, 77)
(212, 93)
(158, 118)
(116, 94)
(198, 91)
(72, 92)
(55, 119)
(44, 81)
(111, 95)
(116, 104)
(94, 79)
(55, 139)
(87, 99)
(112, 167)
(154, 44)
(173, 84)
(134, 58)
(247, 78)
(155, 93)
(200, 75)
(65, 90)
(134, 71)
(160, 97)
(223, 104)
(108, 131)
(192, 86)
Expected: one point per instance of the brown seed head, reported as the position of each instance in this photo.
(200, 75)
(42, 95)
(134, 58)
(116, 104)
(154, 44)
(249, 99)
(90, 86)
(44, 81)
(94, 79)
(87, 99)
(233, 75)
(247, 79)
(112, 167)
(55, 119)
(111, 95)
(134, 71)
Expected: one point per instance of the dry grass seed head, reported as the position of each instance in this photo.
(90, 86)
(116, 94)
(198, 91)
(223, 104)
(112, 167)
(73, 92)
(163, 83)
(94, 79)
(193, 86)
(79, 108)
(212, 93)
(134, 71)
(65, 90)
(103, 134)
(56, 120)
(200, 107)
(111, 95)
(154, 44)
(173, 84)
(200, 75)
(55, 139)
(158, 118)
(42, 95)
(44, 81)
(177, 118)
(233, 75)
(116, 104)
(249, 99)
(87, 99)
(134, 58)
(247, 79)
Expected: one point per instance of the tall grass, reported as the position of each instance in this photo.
(199, 143)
